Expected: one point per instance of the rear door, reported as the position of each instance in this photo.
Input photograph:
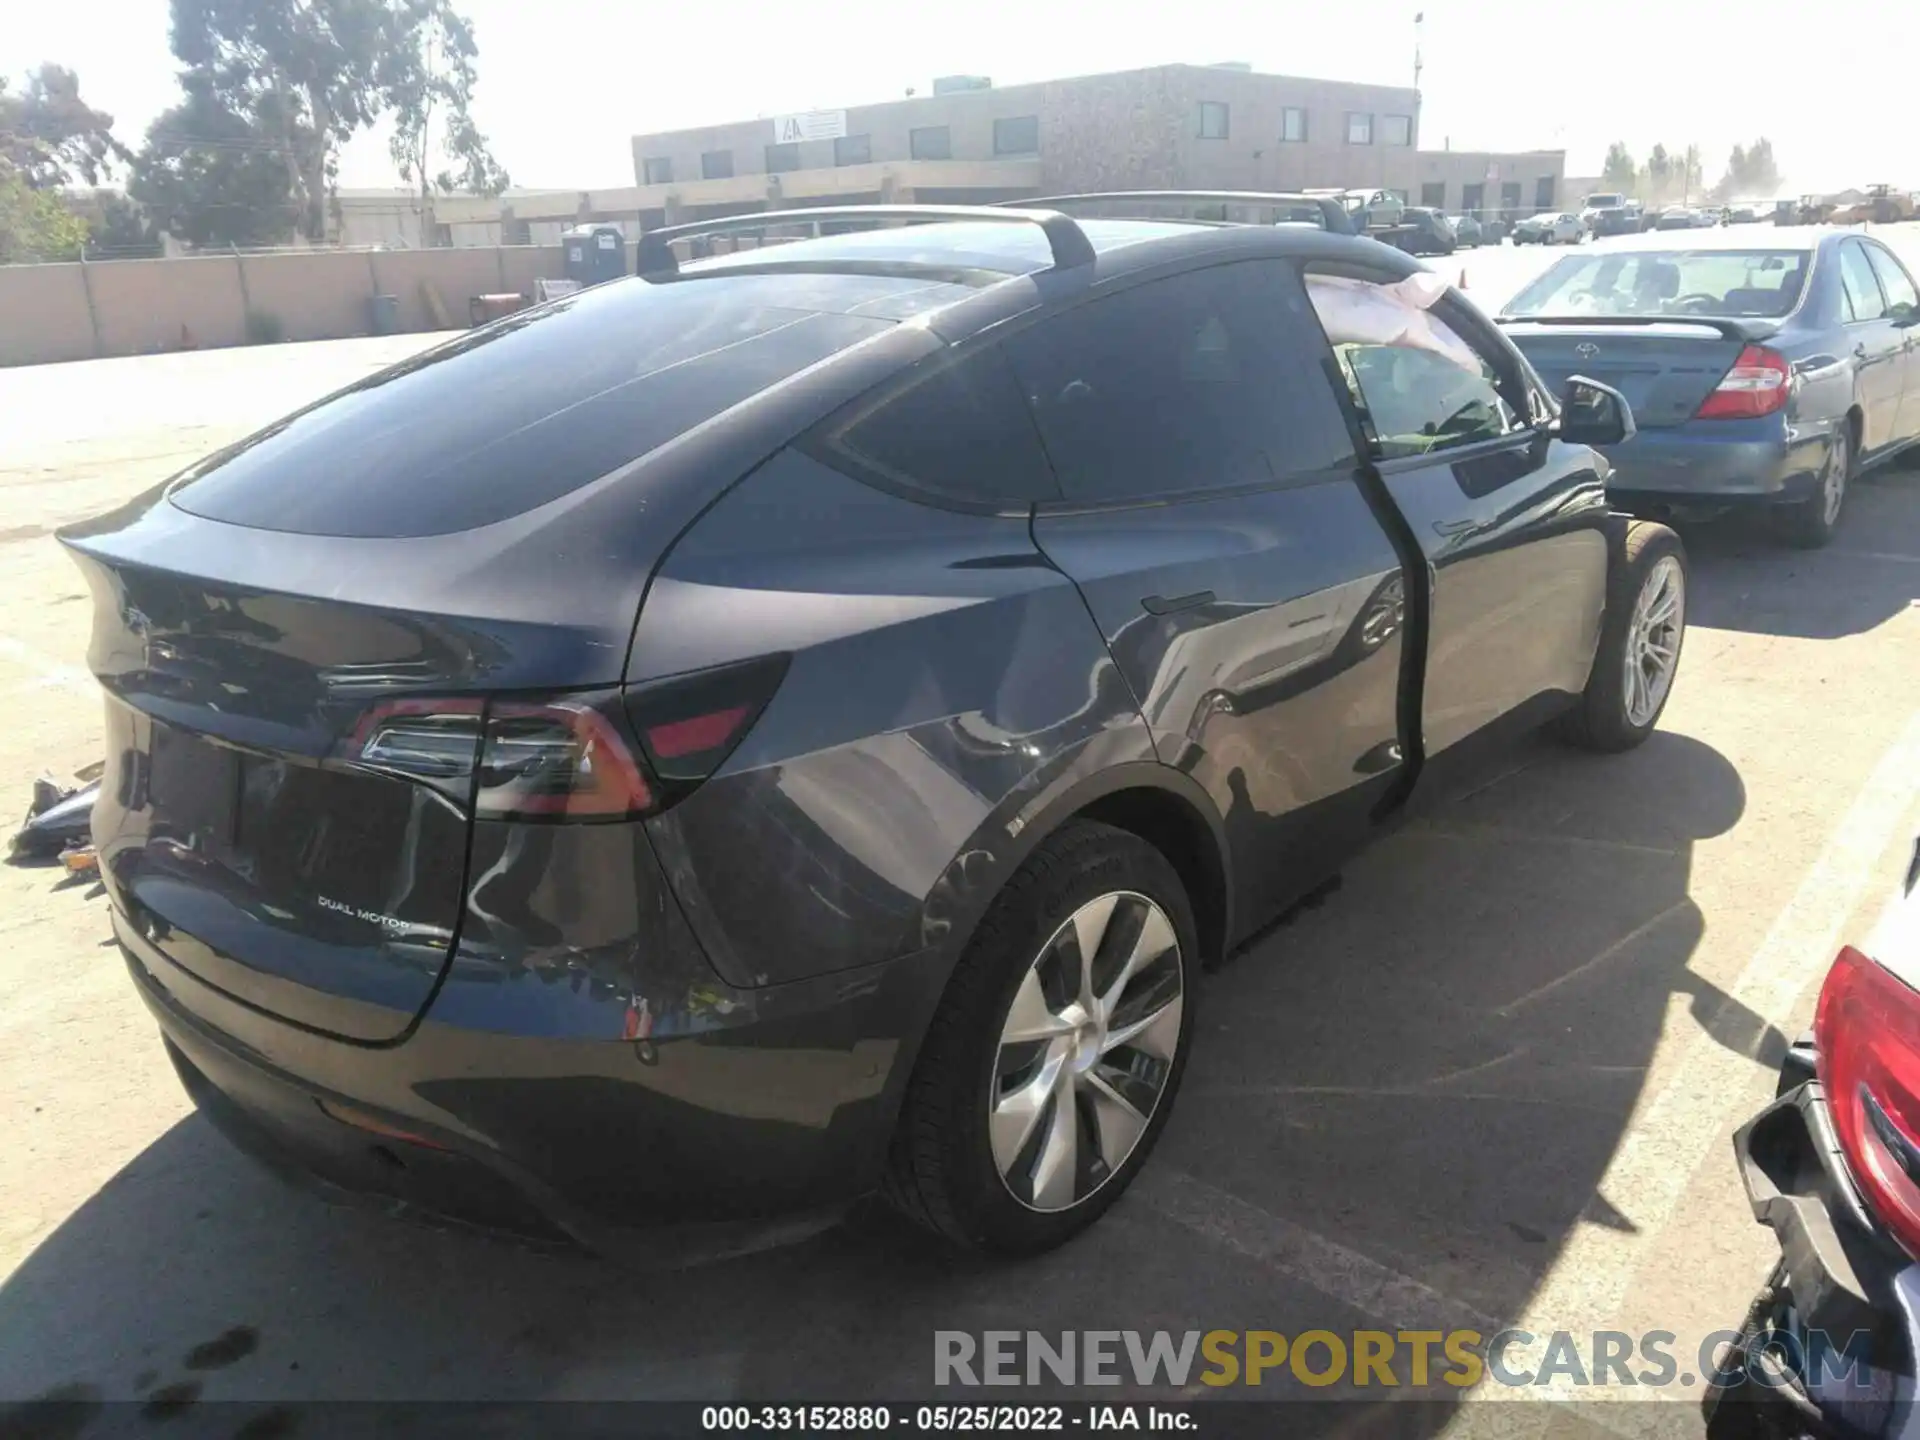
(1214, 522)
(1510, 520)
(1876, 344)
(1903, 312)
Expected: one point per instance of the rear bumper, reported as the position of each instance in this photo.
(1843, 1301)
(1719, 464)
(663, 1149)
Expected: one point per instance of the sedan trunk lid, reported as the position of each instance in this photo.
(1665, 368)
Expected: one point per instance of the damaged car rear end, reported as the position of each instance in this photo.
(1831, 1343)
(373, 819)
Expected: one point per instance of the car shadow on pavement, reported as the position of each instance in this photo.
(1745, 578)
(1425, 1076)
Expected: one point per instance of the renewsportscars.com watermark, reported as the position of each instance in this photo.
(1391, 1358)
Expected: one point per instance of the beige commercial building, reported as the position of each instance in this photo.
(1200, 127)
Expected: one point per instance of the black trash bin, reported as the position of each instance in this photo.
(595, 253)
(383, 314)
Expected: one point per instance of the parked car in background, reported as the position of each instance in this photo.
(1830, 1346)
(1743, 213)
(1550, 227)
(1763, 375)
(1431, 232)
(1598, 203)
(1613, 220)
(1466, 230)
(1709, 215)
(936, 683)
(1676, 217)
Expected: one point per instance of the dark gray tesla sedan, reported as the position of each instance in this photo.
(1763, 373)
(751, 734)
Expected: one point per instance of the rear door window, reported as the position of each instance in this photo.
(961, 431)
(1862, 290)
(518, 413)
(1894, 280)
(1207, 380)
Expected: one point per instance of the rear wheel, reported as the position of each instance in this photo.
(1052, 1063)
(1640, 641)
(1810, 523)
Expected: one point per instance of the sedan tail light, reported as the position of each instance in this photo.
(1867, 1044)
(1758, 384)
(592, 756)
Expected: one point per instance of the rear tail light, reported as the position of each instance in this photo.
(1758, 384)
(1867, 1043)
(570, 757)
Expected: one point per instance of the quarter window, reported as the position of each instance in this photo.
(1203, 381)
(961, 430)
(1864, 301)
(1430, 389)
(1894, 280)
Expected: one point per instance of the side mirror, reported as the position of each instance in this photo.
(1904, 313)
(1594, 414)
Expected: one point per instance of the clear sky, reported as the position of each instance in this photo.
(1835, 84)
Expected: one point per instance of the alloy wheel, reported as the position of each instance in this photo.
(1086, 1051)
(1833, 481)
(1653, 639)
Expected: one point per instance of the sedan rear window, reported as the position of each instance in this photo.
(1728, 283)
(517, 414)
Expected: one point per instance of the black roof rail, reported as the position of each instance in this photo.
(1325, 201)
(1069, 243)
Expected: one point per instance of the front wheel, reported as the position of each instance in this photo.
(1640, 640)
(1052, 1063)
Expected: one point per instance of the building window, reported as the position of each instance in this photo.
(1359, 128)
(781, 158)
(1510, 195)
(1019, 135)
(930, 142)
(1213, 120)
(1433, 194)
(1543, 192)
(1396, 129)
(716, 165)
(657, 170)
(1473, 198)
(1293, 123)
(853, 150)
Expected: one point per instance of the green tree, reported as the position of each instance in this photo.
(210, 177)
(1693, 180)
(1658, 179)
(35, 224)
(310, 74)
(1619, 173)
(440, 90)
(50, 136)
(1762, 178)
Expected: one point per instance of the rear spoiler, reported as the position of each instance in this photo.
(1745, 331)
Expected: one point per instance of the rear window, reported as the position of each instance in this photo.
(517, 414)
(1729, 283)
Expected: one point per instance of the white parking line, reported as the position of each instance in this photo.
(1700, 1103)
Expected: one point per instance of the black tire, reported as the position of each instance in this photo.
(941, 1171)
(1810, 523)
(1602, 720)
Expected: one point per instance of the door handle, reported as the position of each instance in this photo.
(1161, 605)
(1860, 351)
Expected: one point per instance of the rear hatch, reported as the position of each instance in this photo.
(473, 522)
(1665, 368)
